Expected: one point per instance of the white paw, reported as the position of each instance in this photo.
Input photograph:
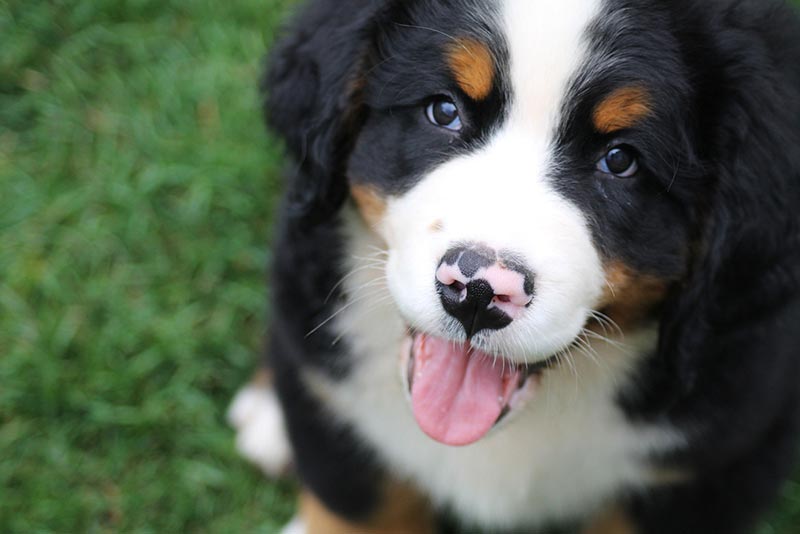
(295, 526)
(256, 415)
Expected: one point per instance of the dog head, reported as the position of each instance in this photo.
(536, 168)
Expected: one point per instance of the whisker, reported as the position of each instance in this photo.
(611, 288)
(338, 312)
(605, 319)
(586, 349)
(370, 258)
(369, 309)
(378, 251)
(376, 266)
(613, 343)
(434, 30)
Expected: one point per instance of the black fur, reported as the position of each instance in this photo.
(718, 217)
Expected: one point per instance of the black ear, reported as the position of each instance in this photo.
(735, 309)
(311, 98)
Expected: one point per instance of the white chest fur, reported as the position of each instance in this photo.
(563, 455)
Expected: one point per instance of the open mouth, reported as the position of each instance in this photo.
(458, 393)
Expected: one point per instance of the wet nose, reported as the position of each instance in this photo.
(484, 289)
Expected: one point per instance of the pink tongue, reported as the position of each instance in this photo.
(457, 394)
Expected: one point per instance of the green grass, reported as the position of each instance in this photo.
(136, 191)
(136, 185)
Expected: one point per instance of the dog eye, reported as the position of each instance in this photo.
(443, 112)
(620, 161)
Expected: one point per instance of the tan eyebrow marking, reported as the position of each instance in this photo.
(622, 109)
(472, 64)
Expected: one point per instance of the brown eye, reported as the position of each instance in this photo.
(443, 112)
(620, 161)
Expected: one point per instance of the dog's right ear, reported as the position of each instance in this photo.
(311, 98)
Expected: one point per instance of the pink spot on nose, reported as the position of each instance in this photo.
(509, 289)
(450, 274)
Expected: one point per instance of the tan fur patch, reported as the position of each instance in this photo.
(614, 521)
(403, 511)
(370, 204)
(621, 109)
(629, 295)
(472, 65)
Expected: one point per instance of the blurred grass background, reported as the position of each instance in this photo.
(136, 192)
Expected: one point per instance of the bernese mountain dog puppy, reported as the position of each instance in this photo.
(538, 265)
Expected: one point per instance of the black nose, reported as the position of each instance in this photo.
(483, 289)
(470, 304)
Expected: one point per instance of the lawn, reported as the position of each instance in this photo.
(136, 187)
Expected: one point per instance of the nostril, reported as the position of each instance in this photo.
(502, 298)
(458, 286)
(454, 292)
(447, 275)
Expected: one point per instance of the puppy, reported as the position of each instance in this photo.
(537, 265)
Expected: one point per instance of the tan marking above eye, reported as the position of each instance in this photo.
(370, 204)
(473, 67)
(622, 109)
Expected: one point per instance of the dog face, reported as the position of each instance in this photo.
(518, 167)
(522, 133)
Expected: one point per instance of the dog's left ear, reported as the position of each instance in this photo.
(311, 90)
(743, 292)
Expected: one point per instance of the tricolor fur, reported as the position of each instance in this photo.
(600, 199)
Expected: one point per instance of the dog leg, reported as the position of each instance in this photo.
(613, 521)
(296, 526)
(257, 417)
(401, 511)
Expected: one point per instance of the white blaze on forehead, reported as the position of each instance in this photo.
(546, 47)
